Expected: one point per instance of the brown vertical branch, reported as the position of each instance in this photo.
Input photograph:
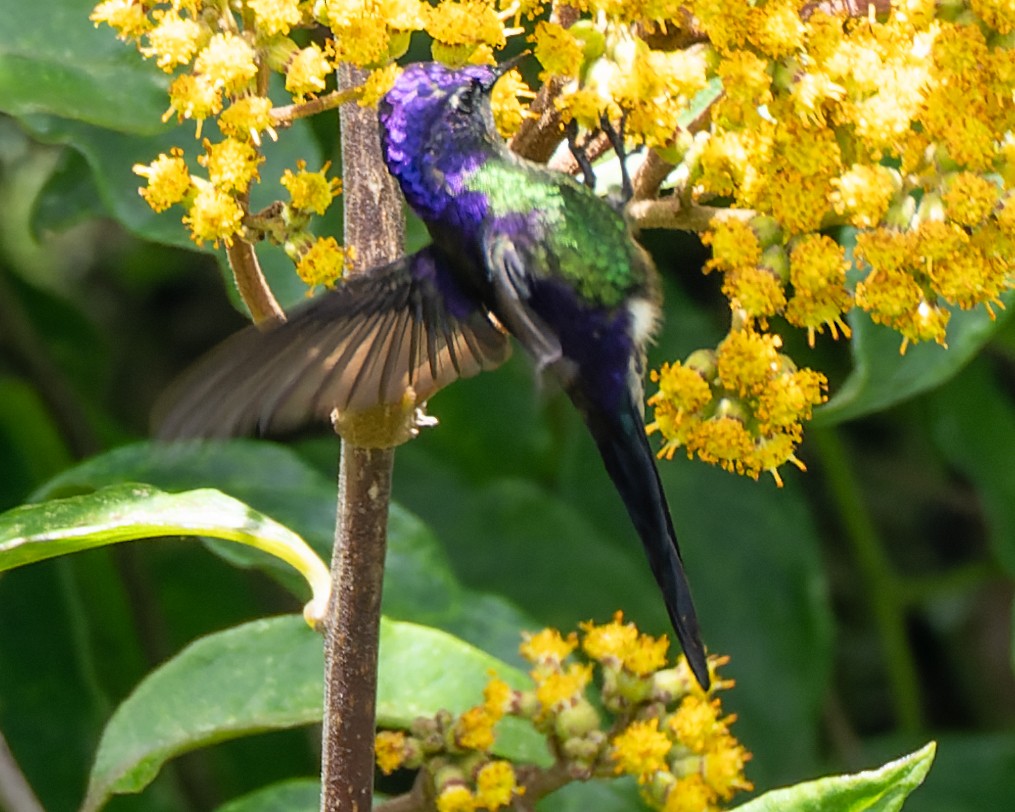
(374, 227)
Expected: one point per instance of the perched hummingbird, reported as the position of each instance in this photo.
(516, 248)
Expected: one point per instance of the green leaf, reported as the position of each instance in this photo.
(420, 584)
(298, 795)
(972, 771)
(54, 60)
(882, 377)
(267, 675)
(125, 512)
(881, 790)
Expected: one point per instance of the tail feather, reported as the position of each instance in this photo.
(630, 463)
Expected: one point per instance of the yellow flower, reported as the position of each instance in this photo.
(547, 646)
(780, 31)
(495, 785)
(619, 643)
(389, 750)
(789, 398)
(193, 97)
(508, 111)
(734, 245)
(646, 655)
(755, 290)
(214, 217)
(307, 71)
(722, 441)
(498, 696)
(324, 263)
(311, 191)
(168, 180)
(227, 62)
(728, 23)
(723, 768)
(364, 40)
(275, 16)
(818, 274)
(641, 749)
(247, 117)
(474, 729)
(557, 50)
(864, 193)
(998, 14)
(690, 794)
(610, 640)
(696, 722)
(126, 17)
(969, 198)
(456, 798)
(747, 86)
(747, 359)
(555, 689)
(231, 164)
(465, 22)
(173, 41)
(378, 83)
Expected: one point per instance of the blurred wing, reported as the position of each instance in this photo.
(360, 345)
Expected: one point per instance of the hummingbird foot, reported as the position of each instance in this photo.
(581, 155)
(616, 136)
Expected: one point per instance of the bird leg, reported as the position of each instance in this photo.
(581, 155)
(616, 136)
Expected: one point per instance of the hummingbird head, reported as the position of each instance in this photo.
(436, 127)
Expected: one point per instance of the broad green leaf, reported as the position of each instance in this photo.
(54, 60)
(882, 377)
(266, 675)
(972, 771)
(298, 795)
(881, 790)
(420, 584)
(36, 532)
(973, 421)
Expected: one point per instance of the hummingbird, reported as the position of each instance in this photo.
(517, 250)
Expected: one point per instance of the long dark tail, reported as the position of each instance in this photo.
(631, 465)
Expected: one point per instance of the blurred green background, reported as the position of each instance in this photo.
(866, 606)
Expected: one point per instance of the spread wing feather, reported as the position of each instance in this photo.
(358, 346)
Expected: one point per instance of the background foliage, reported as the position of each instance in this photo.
(866, 605)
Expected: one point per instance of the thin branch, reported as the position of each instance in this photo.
(650, 175)
(671, 213)
(251, 284)
(284, 116)
(540, 134)
(374, 227)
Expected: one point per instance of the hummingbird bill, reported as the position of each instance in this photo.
(518, 253)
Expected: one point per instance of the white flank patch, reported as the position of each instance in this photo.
(644, 320)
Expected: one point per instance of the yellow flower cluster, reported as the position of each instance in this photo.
(659, 725)
(740, 406)
(221, 55)
(852, 121)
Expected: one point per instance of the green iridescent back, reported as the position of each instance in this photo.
(583, 240)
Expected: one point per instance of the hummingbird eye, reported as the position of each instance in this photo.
(463, 100)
